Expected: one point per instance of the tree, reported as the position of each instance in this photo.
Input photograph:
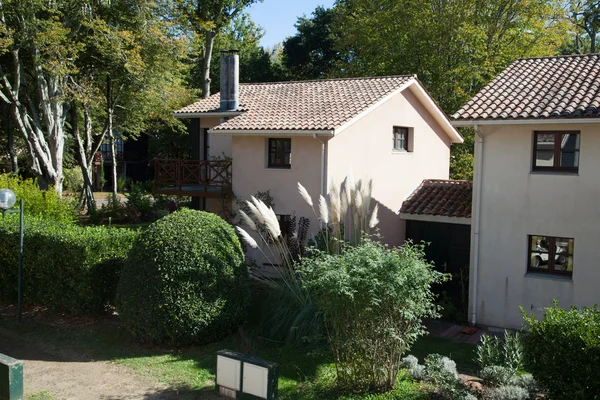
(206, 19)
(129, 76)
(256, 64)
(38, 50)
(311, 53)
(455, 47)
(585, 16)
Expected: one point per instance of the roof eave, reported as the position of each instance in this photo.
(436, 218)
(545, 121)
(271, 132)
(437, 113)
(222, 114)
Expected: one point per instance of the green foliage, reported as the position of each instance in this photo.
(563, 351)
(73, 179)
(39, 203)
(311, 53)
(439, 371)
(373, 300)
(507, 392)
(462, 156)
(185, 280)
(67, 268)
(495, 375)
(507, 353)
(454, 47)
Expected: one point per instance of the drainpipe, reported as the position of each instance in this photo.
(477, 218)
(322, 163)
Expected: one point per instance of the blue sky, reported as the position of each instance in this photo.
(278, 17)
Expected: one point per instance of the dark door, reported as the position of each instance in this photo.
(448, 248)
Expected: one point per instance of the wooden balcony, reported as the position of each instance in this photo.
(197, 178)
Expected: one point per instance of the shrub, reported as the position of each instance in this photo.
(373, 300)
(39, 203)
(495, 375)
(73, 179)
(563, 351)
(507, 392)
(527, 382)
(441, 371)
(185, 280)
(67, 268)
(508, 353)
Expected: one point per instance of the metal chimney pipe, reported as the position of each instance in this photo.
(230, 80)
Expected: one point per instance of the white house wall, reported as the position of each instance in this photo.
(516, 203)
(365, 149)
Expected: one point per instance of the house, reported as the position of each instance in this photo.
(536, 188)
(270, 136)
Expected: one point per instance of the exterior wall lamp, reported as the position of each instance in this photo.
(7, 200)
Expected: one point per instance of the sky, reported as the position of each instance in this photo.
(278, 17)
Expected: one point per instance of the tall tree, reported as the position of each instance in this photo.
(585, 16)
(455, 47)
(207, 18)
(38, 50)
(311, 53)
(129, 75)
(256, 64)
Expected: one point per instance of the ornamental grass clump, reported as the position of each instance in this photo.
(373, 300)
(345, 217)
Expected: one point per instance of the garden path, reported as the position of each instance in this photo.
(69, 376)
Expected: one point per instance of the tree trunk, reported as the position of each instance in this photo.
(39, 121)
(208, 49)
(10, 135)
(85, 158)
(111, 135)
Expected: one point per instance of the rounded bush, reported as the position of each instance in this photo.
(185, 280)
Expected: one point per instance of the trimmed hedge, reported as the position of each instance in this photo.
(562, 352)
(185, 281)
(66, 267)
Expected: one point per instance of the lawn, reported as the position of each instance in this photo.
(302, 374)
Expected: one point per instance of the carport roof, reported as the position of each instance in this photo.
(447, 198)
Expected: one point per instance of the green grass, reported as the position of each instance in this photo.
(191, 370)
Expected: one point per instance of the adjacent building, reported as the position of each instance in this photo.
(536, 188)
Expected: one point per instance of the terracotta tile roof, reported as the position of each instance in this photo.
(448, 198)
(540, 88)
(306, 105)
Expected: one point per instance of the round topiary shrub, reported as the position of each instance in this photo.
(185, 280)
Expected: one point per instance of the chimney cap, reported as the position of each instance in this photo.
(230, 52)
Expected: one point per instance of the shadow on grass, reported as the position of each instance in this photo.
(192, 368)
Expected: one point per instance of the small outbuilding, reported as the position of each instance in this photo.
(438, 213)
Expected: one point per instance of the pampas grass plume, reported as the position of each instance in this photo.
(304, 193)
(247, 220)
(247, 238)
(323, 210)
(374, 220)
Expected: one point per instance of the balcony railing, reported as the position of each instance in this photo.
(201, 178)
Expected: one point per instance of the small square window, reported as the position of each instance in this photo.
(556, 151)
(401, 138)
(550, 255)
(280, 153)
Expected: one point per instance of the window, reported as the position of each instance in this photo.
(400, 138)
(280, 153)
(556, 151)
(552, 255)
